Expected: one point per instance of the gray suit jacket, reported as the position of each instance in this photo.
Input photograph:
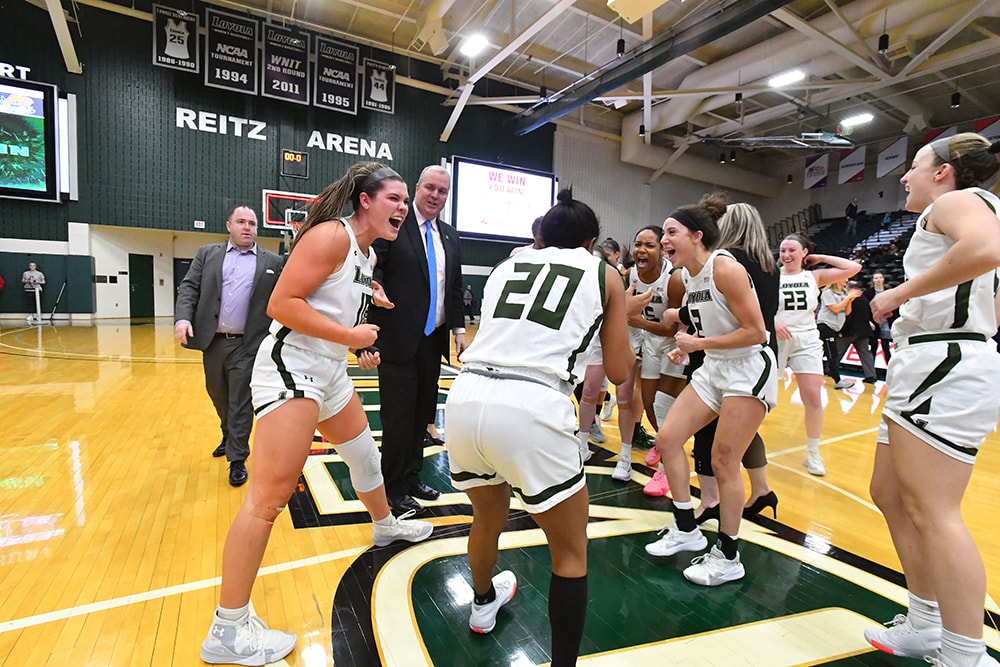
(199, 296)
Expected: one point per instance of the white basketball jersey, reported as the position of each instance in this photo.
(966, 307)
(710, 312)
(343, 297)
(798, 297)
(177, 39)
(542, 310)
(657, 304)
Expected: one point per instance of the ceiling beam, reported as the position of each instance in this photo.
(943, 38)
(793, 21)
(65, 40)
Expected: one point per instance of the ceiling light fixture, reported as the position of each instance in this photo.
(620, 49)
(857, 119)
(956, 100)
(883, 39)
(789, 181)
(732, 156)
(642, 130)
(739, 99)
(787, 78)
(722, 158)
(473, 45)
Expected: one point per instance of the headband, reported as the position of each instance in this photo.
(379, 174)
(686, 219)
(942, 148)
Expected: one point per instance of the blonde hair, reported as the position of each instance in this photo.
(972, 157)
(742, 228)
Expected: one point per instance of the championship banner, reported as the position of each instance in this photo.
(286, 64)
(852, 166)
(816, 172)
(989, 128)
(336, 83)
(939, 133)
(380, 87)
(892, 158)
(231, 52)
(175, 39)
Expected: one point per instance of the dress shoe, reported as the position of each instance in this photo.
(870, 380)
(769, 499)
(237, 473)
(402, 504)
(220, 450)
(708, 513)
(430, 441)
(420, 490)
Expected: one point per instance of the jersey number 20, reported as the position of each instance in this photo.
(542, 310)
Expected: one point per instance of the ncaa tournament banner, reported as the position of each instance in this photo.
(989, 128)
(816, 172)
(940, 133)
(231, 52)
(380, 87)
(852, 166)
(286, 64)
(175, 39)
(336, 76)
(892, 158)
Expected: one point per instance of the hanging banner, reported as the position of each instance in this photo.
(380, 87)
(231, 52)
(175, 39)
(939, 133)
(336, 82)
(852, 166)
(816, 171)
(892, 158)
(989, 128)
(286, 64)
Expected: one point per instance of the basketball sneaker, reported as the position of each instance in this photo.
(653, 457)
(641, 437)
(714, 568)
(596, 434)
(484, 616)
(402, 528)
(657, 486)
(585, 453)
(247, 641)
(985, 660)
(623, 470)
(675, 540)
(899, 637)
(609, 405)
(814, 464)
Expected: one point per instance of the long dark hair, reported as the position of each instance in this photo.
(570, 223)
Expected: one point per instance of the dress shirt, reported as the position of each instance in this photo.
(238, 268)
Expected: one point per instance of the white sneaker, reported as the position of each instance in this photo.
(402, 528)
(814, 464)
(245, 642)
(985, 660)
(484, 617)
(843, 384)
(899, 637)
(714, 568)
(623, 470)
(596, 434)
(676, 540)
(608, 407)
(585, 453)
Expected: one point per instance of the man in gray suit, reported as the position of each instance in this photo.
(222, 310)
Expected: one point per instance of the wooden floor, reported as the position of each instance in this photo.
(113, 512)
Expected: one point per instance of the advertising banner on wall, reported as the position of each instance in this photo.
(940, 133)
(852, 166)
(336, 76)
(231, 52)
(989, 128)
(175, 39)
(817, 168)
(286, 64)
(380, 87)
(892, 158)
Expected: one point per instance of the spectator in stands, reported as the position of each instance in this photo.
(852, 217)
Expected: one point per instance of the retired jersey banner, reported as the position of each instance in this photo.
(380, 87)
(892, 158)
(817, 168)
(231, 52)
(852, 166)
(336, 76)
(286, 64)
(989, 128)
(940, 133)
(175, 39)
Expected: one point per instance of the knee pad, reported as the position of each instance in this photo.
(662, 403)
(364, 461)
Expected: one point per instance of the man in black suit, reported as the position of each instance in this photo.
(413, 336)
(222, 310)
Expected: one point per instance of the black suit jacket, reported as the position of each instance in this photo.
(200, 295)
(401, 269)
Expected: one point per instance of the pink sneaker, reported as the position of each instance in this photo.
(657, 486)
(653, 457)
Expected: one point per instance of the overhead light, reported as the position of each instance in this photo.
(732, 156)
(786, 78)
(857, 119)
(473, 45)
(739, 99)
(956, 100)
(621, 47)
(543, 92)
(883, 43)
(722, 158)
(642, 130)
(789, 181)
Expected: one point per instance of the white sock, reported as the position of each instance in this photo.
(233, 614)
(662, 403)
(923, 613)
(684, 505)
(961, 651)
(626, 453)
(389, 520)
(812, 445)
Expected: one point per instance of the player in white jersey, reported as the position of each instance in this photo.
(737, 383)
(941, 401)
(511, 422)
(300, 384)
(799, 345)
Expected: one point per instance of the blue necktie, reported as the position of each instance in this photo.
(432, 275)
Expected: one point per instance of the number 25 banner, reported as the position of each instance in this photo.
(231, 52)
